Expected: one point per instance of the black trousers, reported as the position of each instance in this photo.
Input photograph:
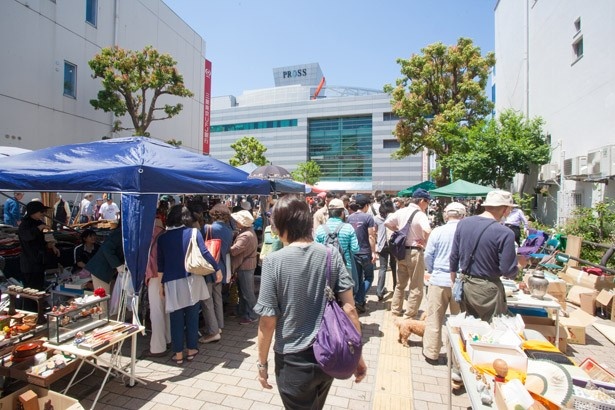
(517, 232)
(301, 382)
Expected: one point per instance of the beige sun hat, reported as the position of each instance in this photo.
(336, 204)
(499, 197)
(455, 208)
(244, 218)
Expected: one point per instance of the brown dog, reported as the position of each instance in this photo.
(410, 326)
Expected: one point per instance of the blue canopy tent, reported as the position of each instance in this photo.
(137, 167)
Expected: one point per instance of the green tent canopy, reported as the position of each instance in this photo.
(461, 188)
(426, 185)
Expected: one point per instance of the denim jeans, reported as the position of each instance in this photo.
(384, 259)
(185, 322)
(365, 274)
(301, 382)
(247, 298)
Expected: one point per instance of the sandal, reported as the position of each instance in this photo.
(190, 357)
(178, 360)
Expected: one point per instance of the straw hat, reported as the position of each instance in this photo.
(244, 218)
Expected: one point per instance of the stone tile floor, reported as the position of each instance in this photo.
(223, 375)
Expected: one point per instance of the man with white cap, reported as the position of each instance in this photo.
(484, 250)
(440, 296)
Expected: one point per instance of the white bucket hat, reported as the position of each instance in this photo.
(455, 208)
(244, 218)
(499, 197)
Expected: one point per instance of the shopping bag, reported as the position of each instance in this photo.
(195, 262)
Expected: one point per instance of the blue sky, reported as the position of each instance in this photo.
(356, 42)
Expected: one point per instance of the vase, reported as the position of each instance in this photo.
(538, 285)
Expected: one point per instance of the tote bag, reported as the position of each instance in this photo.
(337, 347)
(195, 263)
(213, 245)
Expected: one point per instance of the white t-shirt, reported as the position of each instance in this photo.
(109, 211)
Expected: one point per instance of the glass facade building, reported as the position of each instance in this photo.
(347, 131)
(342, 147)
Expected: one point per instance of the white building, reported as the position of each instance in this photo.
(555, 60)
(347, 131)
(46, 81)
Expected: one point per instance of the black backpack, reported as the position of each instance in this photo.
(332, 239)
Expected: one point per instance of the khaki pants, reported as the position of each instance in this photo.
(438, 300)
(410, 269)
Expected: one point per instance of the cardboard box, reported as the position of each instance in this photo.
(546, 326)
(578, 277)
(29, 400)
(484, 353)
(558, 290)
(588, 302)
(573, 248)
(605, 301)
(575, 326)
(583, 297)
(58, 401)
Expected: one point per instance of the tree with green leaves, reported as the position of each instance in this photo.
(307, 172)
(248, 149)
(133, 81)
(494, 151)
(441, 93)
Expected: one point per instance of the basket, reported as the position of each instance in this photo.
(584, 403)
(584, 399)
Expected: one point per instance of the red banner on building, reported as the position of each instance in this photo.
(207, 107)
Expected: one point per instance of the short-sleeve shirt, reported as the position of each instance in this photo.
(420, 224)
(293, 289)
(361, 222)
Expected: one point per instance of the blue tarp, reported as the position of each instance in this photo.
(138, 167)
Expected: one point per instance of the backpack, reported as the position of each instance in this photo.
(332, 239)
(397, 242)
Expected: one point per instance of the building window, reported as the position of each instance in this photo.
(257, 125)
(390, 144)
(577, 49)
(70, 80)
(577, 25)
(342, 147)
(91, 11)
(389, 116)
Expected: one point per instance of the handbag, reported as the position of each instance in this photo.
(194, 262)
(213, 245)
(397, 242)
(337, 347)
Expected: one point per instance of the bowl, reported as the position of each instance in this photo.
(27, 349)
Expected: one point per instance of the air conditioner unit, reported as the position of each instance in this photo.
(608, 163)
(548, 172)
(575, 167)
(594, 161)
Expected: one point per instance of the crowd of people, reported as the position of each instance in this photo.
(284, 237)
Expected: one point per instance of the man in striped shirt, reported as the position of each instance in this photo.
(437, 263)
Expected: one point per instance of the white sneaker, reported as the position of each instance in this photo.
(210, 338)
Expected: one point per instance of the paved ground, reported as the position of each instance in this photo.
(223, 375)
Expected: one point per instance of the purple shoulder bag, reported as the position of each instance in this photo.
(338, 343)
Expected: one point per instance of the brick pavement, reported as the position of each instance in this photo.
(223, 375)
